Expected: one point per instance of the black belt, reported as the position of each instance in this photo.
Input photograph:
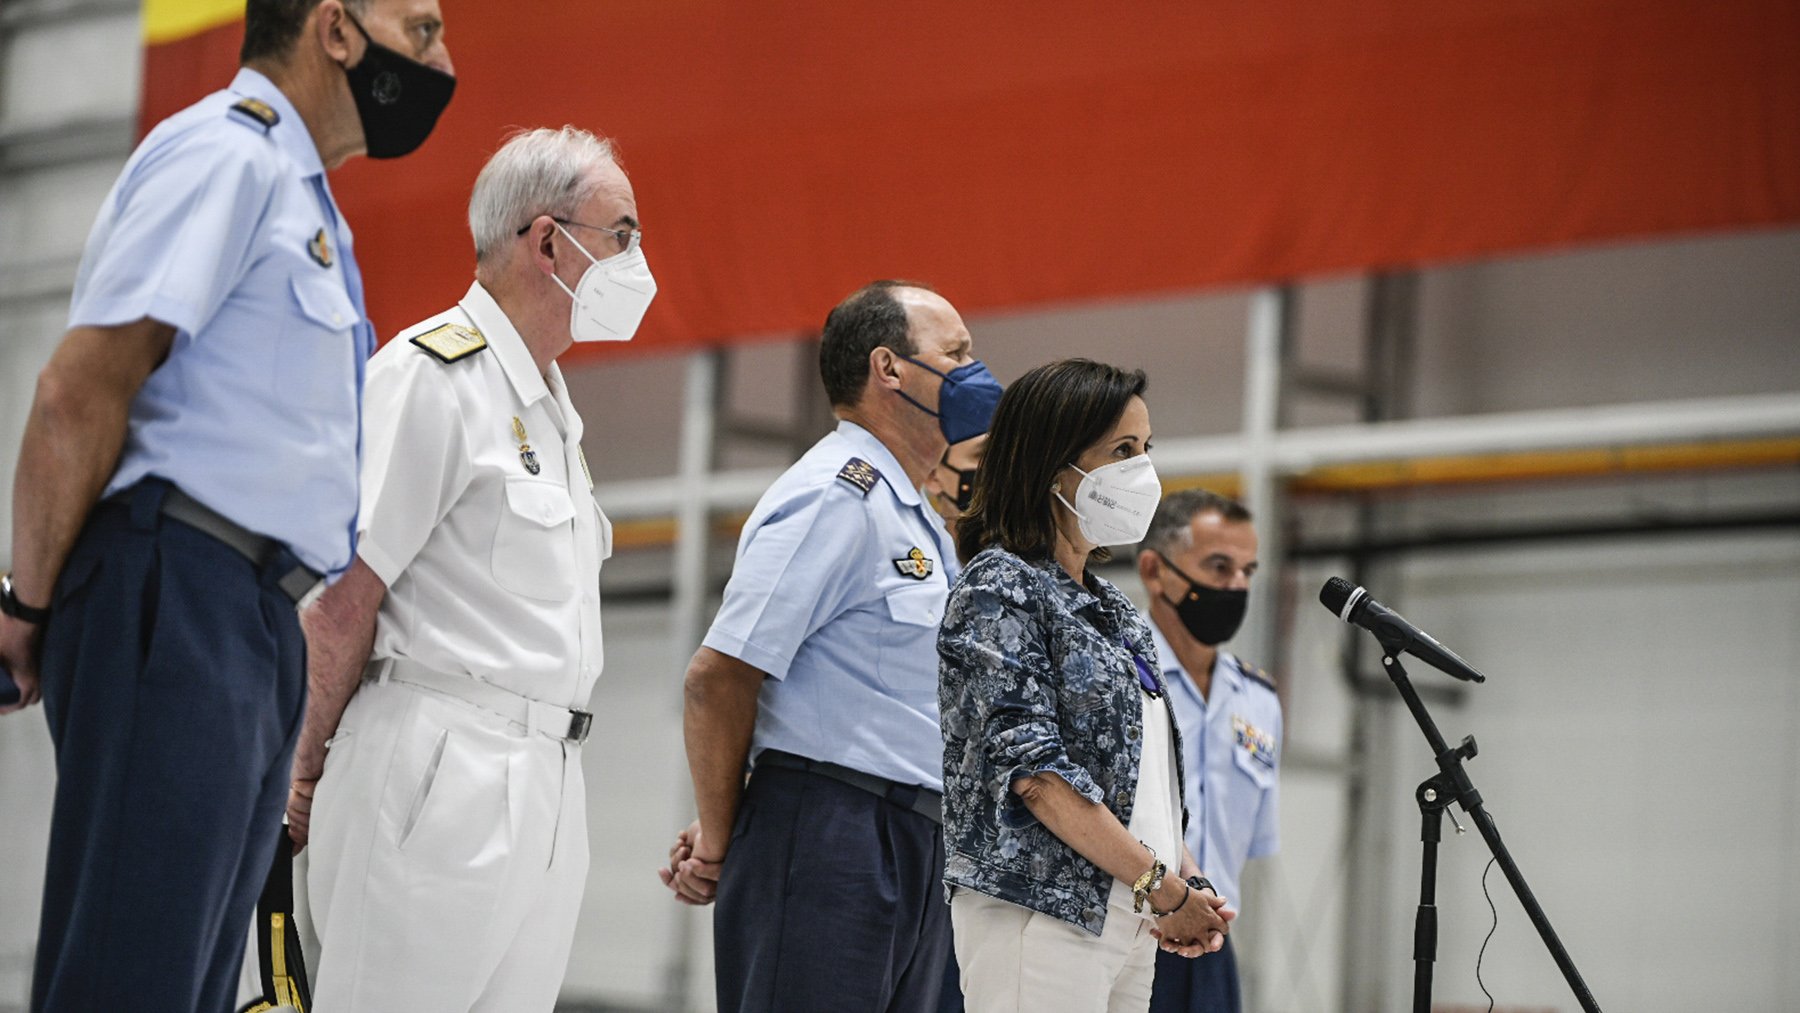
(918, 798)
(260, 550)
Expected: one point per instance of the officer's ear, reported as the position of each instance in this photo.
(339, 41)
(884, 367)
(540, 241)
(1150, 571)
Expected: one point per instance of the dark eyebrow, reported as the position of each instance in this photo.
(627, 221)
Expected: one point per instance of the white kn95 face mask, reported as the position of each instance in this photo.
(612, 296)
(1117, 501)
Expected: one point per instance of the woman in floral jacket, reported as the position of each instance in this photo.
(1063, 818)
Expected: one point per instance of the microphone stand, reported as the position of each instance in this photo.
(1452, 784)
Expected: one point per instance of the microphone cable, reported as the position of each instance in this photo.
(1492, 928)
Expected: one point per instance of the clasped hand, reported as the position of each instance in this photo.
(694, 880)
(1197, 926)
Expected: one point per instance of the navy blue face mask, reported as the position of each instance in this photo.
(966, 400)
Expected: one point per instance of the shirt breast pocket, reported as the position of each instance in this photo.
(534, 541)
(909, 660)
(315, 360)
(1260, 773)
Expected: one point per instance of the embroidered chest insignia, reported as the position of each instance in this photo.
(860, 474)
(319, 249)
(527, 456)
(257, 111)
(1253, 740)
(450, 342)
(914, 564)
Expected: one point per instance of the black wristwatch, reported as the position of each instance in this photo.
(1202, 883)
(12, 606)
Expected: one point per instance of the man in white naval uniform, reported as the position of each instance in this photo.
(444, 804)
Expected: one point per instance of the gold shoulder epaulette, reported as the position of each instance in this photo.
(860, 474)
(450, 342)
(258, 111)
(1255, 674)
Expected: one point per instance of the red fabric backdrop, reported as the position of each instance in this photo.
(1026, 153)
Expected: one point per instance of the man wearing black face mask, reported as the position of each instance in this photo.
(1196, 563)
(951, 483)
(188, 472)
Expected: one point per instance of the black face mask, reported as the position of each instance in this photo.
(965, 484)
(398, 99)
(1212, 615)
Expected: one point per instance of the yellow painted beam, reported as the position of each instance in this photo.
(1389, 476)
(173, 20)
(1377, 476)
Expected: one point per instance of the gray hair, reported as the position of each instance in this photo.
(536, 172)
(1177, 511)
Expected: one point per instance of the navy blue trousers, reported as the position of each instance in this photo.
(1205, 984)
(831, 900)
(174, 679)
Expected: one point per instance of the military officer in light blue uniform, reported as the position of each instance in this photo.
(820, 672)
(188, 473)
(1196, 563)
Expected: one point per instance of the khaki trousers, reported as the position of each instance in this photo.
(1015, 960)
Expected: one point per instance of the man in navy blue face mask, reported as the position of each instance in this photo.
(1196, 562)
(820, 671)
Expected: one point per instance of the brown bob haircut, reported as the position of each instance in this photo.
(1046, 420)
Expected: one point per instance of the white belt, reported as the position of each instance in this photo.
(536, 716)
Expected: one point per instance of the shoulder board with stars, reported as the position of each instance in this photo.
(860, 474)
(252, 110)
(1255, 674)
(450, 342)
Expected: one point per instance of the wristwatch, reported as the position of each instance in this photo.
(1202, 883)
(12, 606)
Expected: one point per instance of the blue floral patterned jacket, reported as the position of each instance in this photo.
(1036, 675)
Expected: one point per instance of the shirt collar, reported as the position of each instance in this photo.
(882, 458)
(289, 131)
(1224, 669)
(515, 359)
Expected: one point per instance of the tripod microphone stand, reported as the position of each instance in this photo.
(1435, 794)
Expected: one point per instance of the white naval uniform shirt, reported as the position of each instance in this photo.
(493, 571)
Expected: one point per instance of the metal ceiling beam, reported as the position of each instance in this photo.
(1294, 451)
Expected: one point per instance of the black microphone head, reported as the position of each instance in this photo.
(1336, 594)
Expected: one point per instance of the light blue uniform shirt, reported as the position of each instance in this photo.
(223, 228)
(837, 592)
(1231, 742)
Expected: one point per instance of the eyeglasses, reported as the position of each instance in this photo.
(628, 239)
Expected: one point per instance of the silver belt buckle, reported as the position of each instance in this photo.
(580, 723)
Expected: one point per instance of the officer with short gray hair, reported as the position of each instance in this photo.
(444, 803)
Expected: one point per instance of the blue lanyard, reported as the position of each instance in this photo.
(1146, 678)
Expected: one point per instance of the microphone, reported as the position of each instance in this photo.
(1353, 605)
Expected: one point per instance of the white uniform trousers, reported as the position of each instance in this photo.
(1016, 960)
(448, 857)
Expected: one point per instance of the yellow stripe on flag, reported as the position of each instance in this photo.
(173, 20)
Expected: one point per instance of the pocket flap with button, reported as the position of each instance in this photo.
(546, 504)
(323, 301)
